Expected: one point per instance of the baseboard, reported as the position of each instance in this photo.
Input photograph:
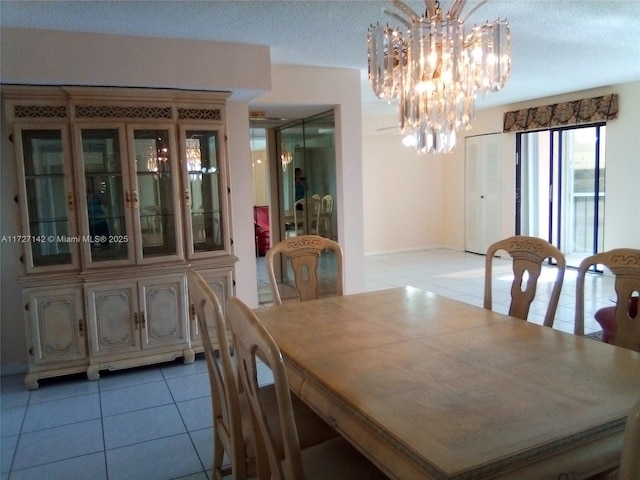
(14, 369)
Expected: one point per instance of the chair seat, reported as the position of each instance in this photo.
(312, 430)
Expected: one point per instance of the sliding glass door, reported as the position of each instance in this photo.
(560, 188)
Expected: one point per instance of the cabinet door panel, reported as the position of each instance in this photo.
(206, 191)
(113, 319)
(47, 199)
(57, 325)
(164, 310)
(155, 198)
(105, 217)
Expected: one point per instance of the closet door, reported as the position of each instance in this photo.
(483, 188)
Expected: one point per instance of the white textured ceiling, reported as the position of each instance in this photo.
(558, 46)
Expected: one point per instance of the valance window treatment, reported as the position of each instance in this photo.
(578, 112)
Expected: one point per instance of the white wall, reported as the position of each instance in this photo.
(49, 57)
(443, 204)
(403, 196)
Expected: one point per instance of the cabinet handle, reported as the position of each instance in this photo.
(134, 199)
(81, 327)
(127, 199)
(187, 198)
(70, 201)
(135, 320)
(142, 320)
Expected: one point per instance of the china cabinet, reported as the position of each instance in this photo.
(120, 191)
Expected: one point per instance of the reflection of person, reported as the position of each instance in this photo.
(301, 186)
(98, 225)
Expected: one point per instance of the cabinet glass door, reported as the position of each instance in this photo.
(203, 191)
(106, 225)
(154, 196)
(49, 199)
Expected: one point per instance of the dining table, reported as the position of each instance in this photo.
(429, 387)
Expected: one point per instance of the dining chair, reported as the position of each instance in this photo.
(335, 459)
(232, 428)
(304, 253)
(528, 254)
(324, 219)
(620, 323)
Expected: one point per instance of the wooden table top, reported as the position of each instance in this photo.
(429, 387)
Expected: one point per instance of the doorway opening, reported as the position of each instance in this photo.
(277, 152)
(560, 188)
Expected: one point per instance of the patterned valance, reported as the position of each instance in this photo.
(578, 112)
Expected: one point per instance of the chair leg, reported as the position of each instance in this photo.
(218, 456)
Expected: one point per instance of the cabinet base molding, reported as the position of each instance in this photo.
(93, 371)
(32, 378)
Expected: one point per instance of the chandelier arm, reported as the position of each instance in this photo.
(406, 9)
(473, 10)
(398, 17)
(432, 8)
(457, 8)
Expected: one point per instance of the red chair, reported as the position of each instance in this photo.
(261, 222)
(606, 318)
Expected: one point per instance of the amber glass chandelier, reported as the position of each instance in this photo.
(435, 67)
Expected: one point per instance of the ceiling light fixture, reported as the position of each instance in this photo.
(436, 69)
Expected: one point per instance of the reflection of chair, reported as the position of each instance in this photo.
(314, 213)
(306, 222)
(528, 254)
(304, 252)
(277, 438)
(232, 428)
(621, 323)
(298, 216)
(324, 219)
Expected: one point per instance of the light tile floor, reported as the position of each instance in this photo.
(154, 423)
